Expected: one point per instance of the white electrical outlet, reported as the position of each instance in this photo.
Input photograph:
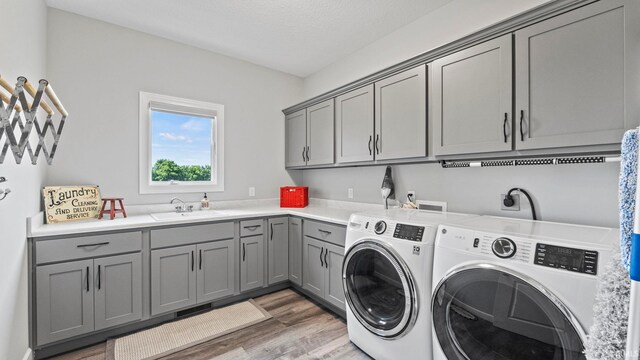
(252, 191)
(412, 194)
(350, 193)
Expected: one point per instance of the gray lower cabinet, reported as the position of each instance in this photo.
(117, 290)
(296, 139)
(401, 115)
(216, 267)
(334, 291)
(278, 249)
(471, 99)
(313, 265)
(64, 300)
(570, 77)
(323, 271)
(354, 125)
(251, 262)
(173, 279)
(295, 250)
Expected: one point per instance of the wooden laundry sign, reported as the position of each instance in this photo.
(71, 203)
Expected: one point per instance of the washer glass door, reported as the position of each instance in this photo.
(379, 289)
(493, 313)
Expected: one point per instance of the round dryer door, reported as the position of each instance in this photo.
(379, 289)
(490, 312)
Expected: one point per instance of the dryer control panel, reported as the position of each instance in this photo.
(578, 260)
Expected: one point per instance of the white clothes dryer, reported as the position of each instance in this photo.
(387, 281)
(515, 289)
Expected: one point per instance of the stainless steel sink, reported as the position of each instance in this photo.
(187, 215)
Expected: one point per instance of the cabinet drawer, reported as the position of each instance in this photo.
(251, 227)
(87, 246)
(330, 233)
(191, 234)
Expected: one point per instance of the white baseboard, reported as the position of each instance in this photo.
(28, 355)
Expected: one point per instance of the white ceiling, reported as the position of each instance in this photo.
(299, 37)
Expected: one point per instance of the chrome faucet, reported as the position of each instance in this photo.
(183, 207)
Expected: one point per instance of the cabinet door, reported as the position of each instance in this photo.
(278, 249)
(173, 279)
(334, 291)
(216, 264)
(313, 266)
(296, 138)
(295, 251)
(401, 115)
(471, 99)
(64, 300)
(118, 290)
(320, 133)
(251, 262)
(354, 125)
(570, 78)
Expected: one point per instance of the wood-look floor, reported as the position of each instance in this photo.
(299, 329)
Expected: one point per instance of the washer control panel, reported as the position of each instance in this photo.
(408, 232)
(578, 260)
(503, 247)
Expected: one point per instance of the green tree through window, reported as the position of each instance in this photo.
(167, 170)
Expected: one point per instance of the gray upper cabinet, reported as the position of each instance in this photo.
(320, 133)
(354, 126)
(251, 262)
(118, 290)
(401, 115)
(278, 249)
(216, 267)
(471, 99)
(64, 300)
(173, 280)
(334, 291)
(296, 139)
(570, 78)
(295, 250)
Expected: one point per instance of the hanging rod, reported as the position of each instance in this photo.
(533, 161)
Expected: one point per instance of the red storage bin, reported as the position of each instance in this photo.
(294, 196)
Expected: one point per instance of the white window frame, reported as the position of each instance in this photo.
(149, 101)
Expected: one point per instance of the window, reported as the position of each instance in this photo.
(181, 145)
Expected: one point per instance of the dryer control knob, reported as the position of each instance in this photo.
(380, 227)
(503, 247)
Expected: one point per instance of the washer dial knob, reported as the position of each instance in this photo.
(380, 227)
(503, 247)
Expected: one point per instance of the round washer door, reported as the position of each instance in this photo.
(490, 312)
(379, 289)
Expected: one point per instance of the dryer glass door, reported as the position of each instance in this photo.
(379, 289)
(494, 313)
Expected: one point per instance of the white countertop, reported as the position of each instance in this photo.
(337, 212)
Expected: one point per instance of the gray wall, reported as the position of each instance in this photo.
(582, 194)
(26, 21)
(571, 193)
(98, 70)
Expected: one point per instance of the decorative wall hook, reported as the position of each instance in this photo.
(17, 121)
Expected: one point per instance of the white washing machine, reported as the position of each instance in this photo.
(516, 289)
(387, 281)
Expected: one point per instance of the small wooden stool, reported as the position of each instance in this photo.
(112, 211)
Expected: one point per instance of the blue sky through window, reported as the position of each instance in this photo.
(185, 139)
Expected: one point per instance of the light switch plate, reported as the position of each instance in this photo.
(252, 191)
(350, 193)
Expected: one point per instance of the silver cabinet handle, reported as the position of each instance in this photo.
(303, 158)
(251, 227)
(377, 144)
(321, 251)
(326, 263)
(325, 231)
(504, 127)
(370, 140)
(307, 154)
